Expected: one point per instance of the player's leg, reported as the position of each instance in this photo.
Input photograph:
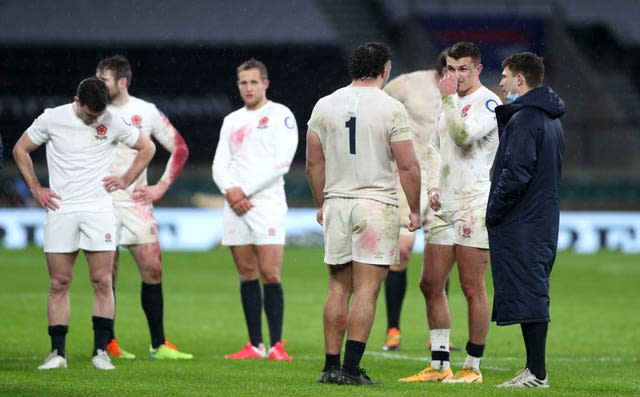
(246, 262)
(395, 288)
(100, 264)
(334, 319)
(60, 267)
(270, 262)
(61, 234)
(437, 262)
(472, 266)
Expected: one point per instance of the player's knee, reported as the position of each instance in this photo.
(101, 282)
(271, 278)
(60, 284)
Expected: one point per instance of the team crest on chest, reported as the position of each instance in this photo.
(136, 120)
(465, 110)
(101, 132)
(263, 123)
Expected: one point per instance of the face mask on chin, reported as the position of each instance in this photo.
(511, 96)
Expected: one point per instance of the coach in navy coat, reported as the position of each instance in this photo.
(523, 209)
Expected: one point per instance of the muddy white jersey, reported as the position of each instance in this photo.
(463, 145)
(255, 151)
(79, 155)
(419, 93)
(146, 118)
(356, 126)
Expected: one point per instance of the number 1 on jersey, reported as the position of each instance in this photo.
(351, 125)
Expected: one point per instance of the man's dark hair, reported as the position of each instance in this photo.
(465, 49)
(93, 93)
(529, 65)
(254, 64)
(368, 61)
(119, 65)
(441, 61)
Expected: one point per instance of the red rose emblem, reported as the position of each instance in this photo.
(263, 122)
(465, 110)
(101, 129)
(136, 120)
(107, 237)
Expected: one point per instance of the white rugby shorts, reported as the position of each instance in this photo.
(135, 224)
(88, 230)
(460, 222)
(361, 230)
(261, 225)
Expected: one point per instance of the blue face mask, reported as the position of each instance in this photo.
(511, 96)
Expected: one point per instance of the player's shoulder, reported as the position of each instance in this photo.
(138, 105)
(278, 107)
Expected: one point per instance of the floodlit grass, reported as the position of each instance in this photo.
(593, 347)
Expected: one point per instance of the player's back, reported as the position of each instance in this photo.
(356, 126)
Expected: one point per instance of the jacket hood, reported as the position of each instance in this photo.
(543, 98)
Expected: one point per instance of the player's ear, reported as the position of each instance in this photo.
(265, 82)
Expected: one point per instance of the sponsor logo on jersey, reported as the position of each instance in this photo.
(101, 132)
(465, 110)
(107, 237)
(136, 120)
(289, 123)
(263, 123)
(491, 105)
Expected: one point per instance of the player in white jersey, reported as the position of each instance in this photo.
(460, 155)
(136, 226)
(256, 146)
(418, 92)
(358, 145)
(80, 139)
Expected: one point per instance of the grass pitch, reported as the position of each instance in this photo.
(593, 346)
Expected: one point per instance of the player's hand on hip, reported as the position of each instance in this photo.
(148, 194)
(47, 198)
(112, 183)
(434, 198)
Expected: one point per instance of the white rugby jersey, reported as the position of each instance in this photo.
(145, 117)
(356, 126)
(255, 151)
(419, 93)
(463, 146)
(79, 155)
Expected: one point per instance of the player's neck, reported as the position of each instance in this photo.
(121, 99)
(370, 82)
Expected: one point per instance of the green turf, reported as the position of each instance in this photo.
(593, 346)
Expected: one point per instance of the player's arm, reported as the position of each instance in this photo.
(409, 173)
(519, 164)
(170, 139)
(464, 131)
(22, 156)
(146, 149)
(315, 171)
(433, 169)
(231, 190)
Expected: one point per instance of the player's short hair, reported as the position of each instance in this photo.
(465, 49)
(93, 93)
(529, 65)
(119, 65)
(254, 64)
(368, 60)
